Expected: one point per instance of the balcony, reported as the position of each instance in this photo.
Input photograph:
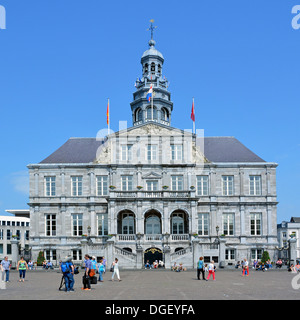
(163, 194)
(151, 237)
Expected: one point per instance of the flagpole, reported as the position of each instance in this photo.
(194, 119)
(152, 103)
(108, 116)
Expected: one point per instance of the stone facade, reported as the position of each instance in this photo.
(153, 188)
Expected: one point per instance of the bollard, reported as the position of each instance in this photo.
(2, 283)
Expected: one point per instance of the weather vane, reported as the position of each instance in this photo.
(151, 28)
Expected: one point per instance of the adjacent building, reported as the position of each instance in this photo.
(152, 191)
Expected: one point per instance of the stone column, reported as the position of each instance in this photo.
(139, 258)
(222, 252)
(293, 251)
(14, 252)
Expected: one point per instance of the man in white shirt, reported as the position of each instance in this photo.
(245, 267)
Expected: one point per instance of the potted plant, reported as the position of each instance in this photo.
(165, 187)
(112, 187)
(139, 187)
(192, 187)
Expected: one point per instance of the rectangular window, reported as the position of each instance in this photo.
(152, 185)
(177, 183)
(50, 225)
(50, 186)
(256, 254)
(8, 234)
(50, 255)
(126, 183)
(1, 234)
(203, 224)
(227, 185)
(176, 152)
(255, 185)
(126, 152)
(77, 224)
(77, 255)
(229, 254)
(228, 224)
(102, 185)
(202, 185)
(151, 152)
(102, 222)
(255, 224)
(76, 186)
(27, 235)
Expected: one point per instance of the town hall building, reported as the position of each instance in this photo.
(153, 192)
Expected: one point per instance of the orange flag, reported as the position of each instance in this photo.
(107, 112)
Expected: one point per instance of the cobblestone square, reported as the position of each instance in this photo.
(157, 285)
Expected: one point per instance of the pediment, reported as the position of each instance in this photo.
(152, 175)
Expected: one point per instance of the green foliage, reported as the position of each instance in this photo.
(265, 257)
(40, 258)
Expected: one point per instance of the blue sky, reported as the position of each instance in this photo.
(61, 60)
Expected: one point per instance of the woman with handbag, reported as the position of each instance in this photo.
(115, 270)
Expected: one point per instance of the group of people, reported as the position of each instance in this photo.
(202, 268)
(91, 267)
(156, 264)
(178, 268)
(5, 267)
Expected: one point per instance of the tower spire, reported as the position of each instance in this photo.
(151, 28)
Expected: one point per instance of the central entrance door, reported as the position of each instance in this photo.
(153, 254)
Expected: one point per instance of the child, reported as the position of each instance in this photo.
(211, 270)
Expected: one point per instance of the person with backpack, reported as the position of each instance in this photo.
(67, 269)
(200, 268)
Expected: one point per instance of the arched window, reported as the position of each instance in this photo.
(139, 115)
(159, 69)
(146, 68)
(152, 222)
(152, 67)
(126, 222)
(149, 113)
(179, 222)
(164, 114)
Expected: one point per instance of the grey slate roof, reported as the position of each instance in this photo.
(216, 149)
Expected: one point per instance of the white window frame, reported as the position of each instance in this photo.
(256, 254)
(177, 183)
(228, 220)
(176, 152)
(50, 225)
(77, 224)
(230, 254)
(76, 186)
(102, 185)
(202, 185)
(126, 152)
(50, 186)
(254, 185)
(203, 224)
(228, 185)
(127, 183)
(256, 217)
(152, 185)
(102, 223)
(151, 152)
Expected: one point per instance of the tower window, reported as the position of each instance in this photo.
(152, 67)
(146, 68)
(139, 115)
(159, 68)
(149, 113)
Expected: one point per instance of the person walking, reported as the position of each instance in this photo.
(101, 270)
(116, 272)
(5, 268)
(67, 268)
(104, 263)
(86, 277)
(211, 270)
(200, 268)
(22, 267)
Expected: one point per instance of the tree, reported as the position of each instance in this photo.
(40, 258)
(265, 257)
